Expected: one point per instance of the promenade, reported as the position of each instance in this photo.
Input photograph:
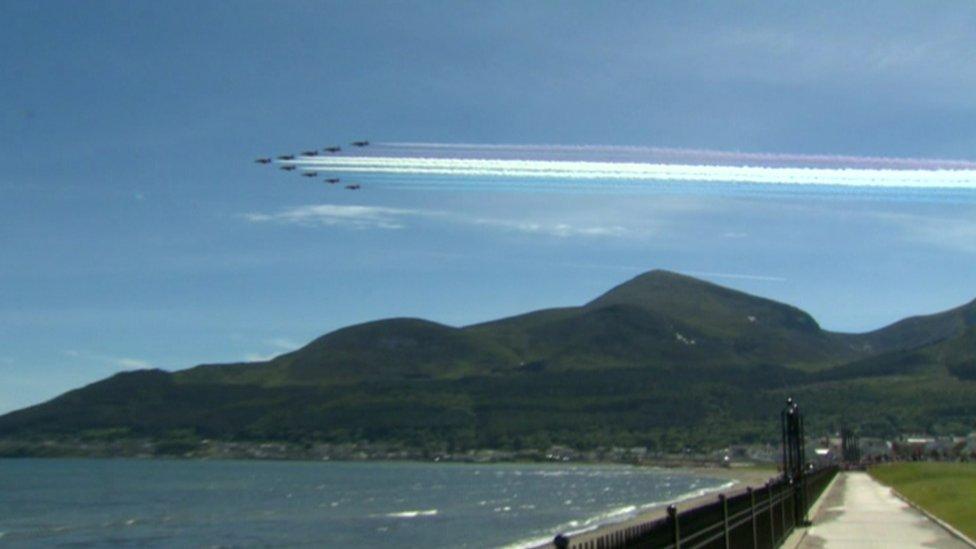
(857, 511)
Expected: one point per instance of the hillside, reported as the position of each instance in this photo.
(669, 318)
(399, 348)
(663, 360)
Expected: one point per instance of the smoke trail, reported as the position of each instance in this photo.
(554, 169)
(647, 155)
(671, 155)
(599, 167)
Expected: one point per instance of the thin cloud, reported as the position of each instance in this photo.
(703, 274)
(124, 363)
(133, 363)
(279, 344)
(739, 276)
(376, 217)
(951, 233)
(552, 229)
(328, 215)
(283, 343)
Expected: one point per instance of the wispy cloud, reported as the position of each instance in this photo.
(376, 217)
(734, 234)
(553, 229)
(700, 274)
(283, 343)
(278, 344)
(132, 363)
(951, 233)
(739, 276)
(361, 217)
(125, 363)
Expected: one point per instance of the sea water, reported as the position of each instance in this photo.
(120, 502)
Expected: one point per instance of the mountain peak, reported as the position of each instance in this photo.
(666, 275)
(655, 285)
(695, 301)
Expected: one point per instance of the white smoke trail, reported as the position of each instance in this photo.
(539, 169)
(673, 155)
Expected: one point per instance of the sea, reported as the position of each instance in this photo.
(183, 503)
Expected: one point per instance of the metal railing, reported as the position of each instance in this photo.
(756, 518)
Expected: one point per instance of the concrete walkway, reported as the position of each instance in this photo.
(860, 512)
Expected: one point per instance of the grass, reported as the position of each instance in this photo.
(947, 490)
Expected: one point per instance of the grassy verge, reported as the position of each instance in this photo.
(947, 490)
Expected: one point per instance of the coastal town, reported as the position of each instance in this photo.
(823, 450)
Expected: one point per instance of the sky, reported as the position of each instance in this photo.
(136, 231)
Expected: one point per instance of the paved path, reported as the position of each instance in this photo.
(860, 512)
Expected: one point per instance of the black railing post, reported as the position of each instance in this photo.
(806, 501)
(787, 517)
(782, 512)
(772, 529)
(752, 512)
(801, 513)
(782, 423)
(675, 527)
(725, 519)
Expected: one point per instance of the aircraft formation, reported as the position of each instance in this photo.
(332, 149)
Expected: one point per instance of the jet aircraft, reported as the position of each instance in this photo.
(360, 143)
(310, 153)
(263, 161)
(286, 157)
(309, 174)
(333, 149)
(352, 187)
(288, 168)
(332, 180)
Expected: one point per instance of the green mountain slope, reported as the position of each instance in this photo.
(668, 318)
(663, 360)
(393, 349)
(917, 331)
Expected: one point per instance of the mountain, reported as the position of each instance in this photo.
(663, 360)
(660, 318)
(671, 318)
(398, 348)
(918, 331)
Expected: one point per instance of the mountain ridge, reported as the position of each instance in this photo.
(618, 365)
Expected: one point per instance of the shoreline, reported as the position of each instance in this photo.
(68, 448)
(738, 480)
(692, 468)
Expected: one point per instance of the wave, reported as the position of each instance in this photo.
(413, 514)
(615, 516)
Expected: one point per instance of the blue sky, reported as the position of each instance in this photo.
(136, 232)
